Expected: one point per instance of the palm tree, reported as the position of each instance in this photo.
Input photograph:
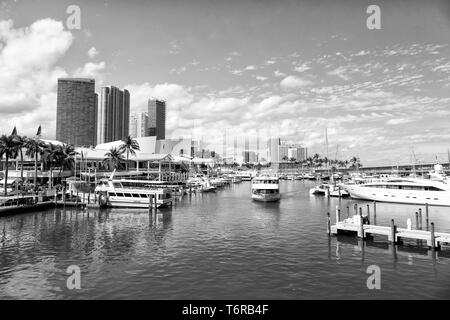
(355, 162)
(20, 143)
(129, 145)
(34, 148)
(50, 156)
(66, 157)
(8, 148)
(114, 157)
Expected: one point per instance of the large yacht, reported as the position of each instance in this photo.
(132, 193)
(265, 189)
(403, 190)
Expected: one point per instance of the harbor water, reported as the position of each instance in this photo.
(217, 245)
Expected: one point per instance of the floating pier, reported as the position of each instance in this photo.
(362, 228)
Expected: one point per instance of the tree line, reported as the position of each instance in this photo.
(51, 156)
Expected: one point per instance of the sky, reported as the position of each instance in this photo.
(245, 68)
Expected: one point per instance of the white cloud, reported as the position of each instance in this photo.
(278, 73)
(90, 70)
(28, 74)
(92, 53)
(294, 82)
(340, 72)
(175, 95)
(398, 121)
(261, 78)
(302, 68)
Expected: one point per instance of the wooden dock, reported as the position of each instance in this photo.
(363, 230)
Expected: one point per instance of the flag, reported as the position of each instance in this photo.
(14, 132)
(39, 131)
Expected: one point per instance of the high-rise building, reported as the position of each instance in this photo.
(113, 115)
(283, 152)
(139, 124)
(76, 110)
(157, 118)
(272, 150)
(249, 156)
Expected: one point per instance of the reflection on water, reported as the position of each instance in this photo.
(217, 245)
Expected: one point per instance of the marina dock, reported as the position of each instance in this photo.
(362, 228)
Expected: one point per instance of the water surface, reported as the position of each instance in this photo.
(216, 246)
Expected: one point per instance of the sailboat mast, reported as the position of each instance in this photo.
(326, 142)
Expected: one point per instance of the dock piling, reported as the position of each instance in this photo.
(393, 232)
(417, 220)
(426, 215)
(432, 237)
(348, 211)
(361, 225)
(368, 213)
(374, 212)
(328, 224)
(150, 203)
(338, 214)
(420, 218)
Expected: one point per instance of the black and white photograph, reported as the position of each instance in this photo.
(232, 150)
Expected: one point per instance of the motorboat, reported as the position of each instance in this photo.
(266, 189)
(132, 193)
(403, 190)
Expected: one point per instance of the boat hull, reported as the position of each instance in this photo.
(400, 196)
(266, 197)
(127, 204)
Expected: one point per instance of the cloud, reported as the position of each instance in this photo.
(291, 82)
(92, 53)
(398, 121)
(176, 96)
(90, 70)
(28, 74)
(302, 68)
(278, 73)
(340, 72)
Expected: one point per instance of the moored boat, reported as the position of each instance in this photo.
(132, 193)
(403, 190)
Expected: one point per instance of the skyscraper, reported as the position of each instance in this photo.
(76, 110)
(139, 124)
(113, 116)
(157, 118)
(272, 149)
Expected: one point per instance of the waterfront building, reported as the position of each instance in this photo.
(282, 152)
(113, 115)
(76, 109)
(139, 124)
(157, 118)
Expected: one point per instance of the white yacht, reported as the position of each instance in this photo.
(403, 190)
(265, 189)
(132, 193)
